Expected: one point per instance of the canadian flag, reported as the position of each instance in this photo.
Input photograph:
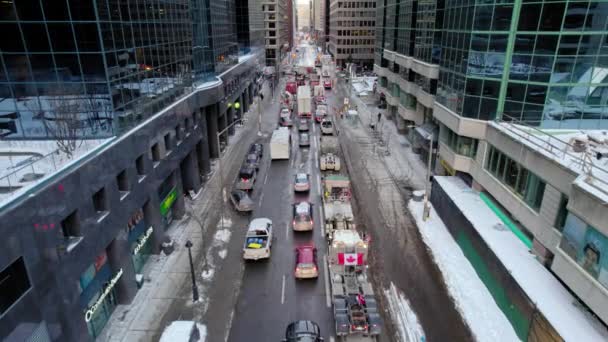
(349, 259)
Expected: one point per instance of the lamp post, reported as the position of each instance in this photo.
(220, 165)
(194, 288)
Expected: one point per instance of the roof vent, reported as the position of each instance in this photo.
(579, 143)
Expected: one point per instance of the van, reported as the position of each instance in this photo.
(182, 331)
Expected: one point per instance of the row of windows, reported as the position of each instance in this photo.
(461, 145)
(355, 51)
(355, 42)
(528, 186)
(356, 4)
(356, 33)
(355, 23)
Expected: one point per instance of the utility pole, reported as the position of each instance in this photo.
(240, 120)
(194, 287)
(427, 186)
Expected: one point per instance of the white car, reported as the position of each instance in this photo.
(302, 182)
(330, 161)
(183, 331)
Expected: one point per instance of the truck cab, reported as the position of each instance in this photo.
(258, 239)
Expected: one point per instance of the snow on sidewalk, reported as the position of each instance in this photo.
(551, 298)
(403, 315)
(472, 298)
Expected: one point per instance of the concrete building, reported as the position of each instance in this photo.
(78, 228)
(352, 32)
(497, 90)
(303, 12)
(277, 30)
(318, 21)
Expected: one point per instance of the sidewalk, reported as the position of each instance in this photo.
(167, 278)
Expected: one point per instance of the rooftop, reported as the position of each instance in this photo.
(584, 152)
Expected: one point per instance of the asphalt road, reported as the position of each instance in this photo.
(270, 296)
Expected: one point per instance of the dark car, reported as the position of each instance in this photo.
(303, 331)
(257, 149)
(253, 160)
(246, 178)
(241, 201)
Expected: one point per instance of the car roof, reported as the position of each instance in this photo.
(301, 175)
(305, 254)
(259, 223)
(302, 208)
(246, 170)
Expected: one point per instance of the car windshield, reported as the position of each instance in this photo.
(252, 157)
(306, 265)
(301, 178)
(246, 173)
(304, 136)
(302, 218)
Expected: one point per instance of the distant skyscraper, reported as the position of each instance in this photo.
(352, 31)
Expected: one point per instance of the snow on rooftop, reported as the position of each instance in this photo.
(557, 145)
(544, 290)
(26, 163)
(473, 300)
(363, 85)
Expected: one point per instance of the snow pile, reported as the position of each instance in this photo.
(550, 297)
(222, 235)
(179, 331)
(403, 315)
(473, 300)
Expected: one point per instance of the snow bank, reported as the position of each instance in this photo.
(552, 299)
(472, 298)
(179, 331)
(403, 315)
(222, 235)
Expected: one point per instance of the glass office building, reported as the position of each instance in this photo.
(96, 66)
(540, 62)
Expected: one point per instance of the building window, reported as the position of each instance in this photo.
(155, 154)
(140, 165)
(458, 144)
(179, 133)
(100, 202)
(14, 283)
(168, 143)
(70, 227)
(525, 184)
(123, 183)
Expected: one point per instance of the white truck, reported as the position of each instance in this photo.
(258, 239)
(354, 305)
(329, 159)
(319, 90)
(338, 213)
(280, 143)
(327, 126)
(304, 102)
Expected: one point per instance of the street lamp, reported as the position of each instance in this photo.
(220, 163)
(194, 288)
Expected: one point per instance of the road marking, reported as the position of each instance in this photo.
(331, 339)
(261, 199)
(326, 273)
(322, 219)
(283, 291)
(319, 181)
(287, 232)
(266, 178)
(317, 162)
(319, 188)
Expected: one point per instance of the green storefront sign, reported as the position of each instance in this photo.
(166, 204)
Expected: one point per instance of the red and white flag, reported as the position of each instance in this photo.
(350, 259)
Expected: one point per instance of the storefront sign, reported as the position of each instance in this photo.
(450, 170)
(142, 240)
(166, 204)
(106, 291)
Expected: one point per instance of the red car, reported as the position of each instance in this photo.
(306, 262)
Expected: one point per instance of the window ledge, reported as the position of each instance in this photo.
(124, 194)
(141, 178)
(102, 215)
(155, 164)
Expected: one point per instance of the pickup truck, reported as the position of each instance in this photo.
(258, 239)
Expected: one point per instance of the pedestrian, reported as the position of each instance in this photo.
(262, 96)
(379, 117)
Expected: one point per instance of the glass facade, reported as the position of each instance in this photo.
(464, 146)
(540, 62)
(93, 65)
(525, 184)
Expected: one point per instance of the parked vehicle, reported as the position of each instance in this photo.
(304, 101)
(327, 83)
(258, 239)
(280, 144)
(306, 262)
(327, 126)
(329, 161)
(241, 201)
(303, 125)
(182, 331)
(285, 113)
(302, 217)
(285, 121)
(246, 178)
(304, 140)
(303, 331)
(302, 182)
(319, 115)
(336, 205)
(257, 149)
(291, 87)
(253, 160)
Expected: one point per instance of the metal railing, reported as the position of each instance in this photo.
(596, 176)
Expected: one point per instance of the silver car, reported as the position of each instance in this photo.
(303, 125)
(304, 139)
(246, 178)
(302, 217)
(241, 201)
(302, 182)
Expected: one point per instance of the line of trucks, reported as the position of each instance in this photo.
(354, 305)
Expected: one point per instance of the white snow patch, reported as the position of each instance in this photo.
(227, 223)
(473, 300)
(208, 274)
(222, 235)
(180, 331)
(403, 316)
(223, 253)
(550, 297)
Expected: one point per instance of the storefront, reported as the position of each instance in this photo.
(97, 294)
(140, 240)
(166, 207)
